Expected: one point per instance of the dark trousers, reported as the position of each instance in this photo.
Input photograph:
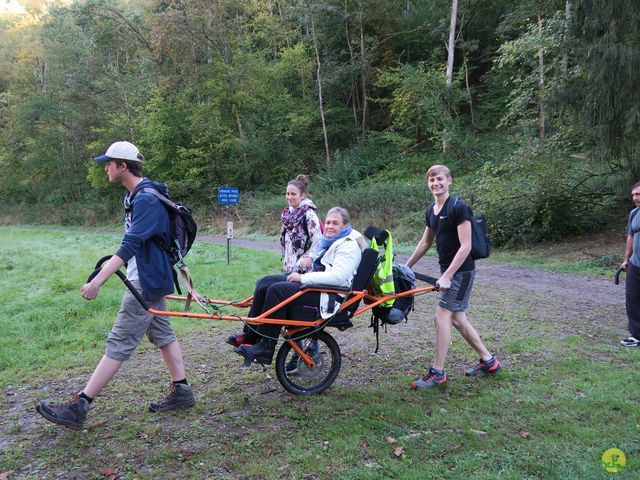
(259, 295)
(632, 287)
(305, 307)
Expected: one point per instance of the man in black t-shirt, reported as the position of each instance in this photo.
(449, 224)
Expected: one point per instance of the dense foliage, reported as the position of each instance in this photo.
(539, 121)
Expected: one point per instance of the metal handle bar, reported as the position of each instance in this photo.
(124, 279)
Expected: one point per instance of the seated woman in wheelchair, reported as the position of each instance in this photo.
(335, 259)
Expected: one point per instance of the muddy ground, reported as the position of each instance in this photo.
(509, 304)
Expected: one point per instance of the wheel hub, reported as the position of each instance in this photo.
(303, 369)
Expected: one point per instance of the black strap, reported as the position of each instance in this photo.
(306, 228)
(375, 324)
(426, 278)
(331, 304)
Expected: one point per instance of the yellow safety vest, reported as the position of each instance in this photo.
(383, 277)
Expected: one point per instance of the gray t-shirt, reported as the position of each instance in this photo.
(633, 229)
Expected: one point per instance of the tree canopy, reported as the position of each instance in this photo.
(541, 108)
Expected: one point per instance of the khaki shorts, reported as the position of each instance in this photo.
(133, 322)
(456, 298)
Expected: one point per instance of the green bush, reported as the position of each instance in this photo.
(529, 196)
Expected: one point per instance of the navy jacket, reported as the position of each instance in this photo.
(149, 219)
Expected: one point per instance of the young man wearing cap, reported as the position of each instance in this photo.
(149, 270)
(449, 224)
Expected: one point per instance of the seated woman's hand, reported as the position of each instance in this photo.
(305, 262)
(294, 277)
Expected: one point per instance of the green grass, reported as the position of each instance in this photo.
(566, 394)
(45, 323)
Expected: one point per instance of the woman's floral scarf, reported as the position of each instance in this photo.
(294, 223)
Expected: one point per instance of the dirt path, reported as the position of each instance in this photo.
(510, 306)
(575, 287)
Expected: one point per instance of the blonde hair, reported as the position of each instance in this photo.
(438, 169)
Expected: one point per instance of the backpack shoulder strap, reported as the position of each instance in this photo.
(452, 204)
(305, 225)
(163, 198)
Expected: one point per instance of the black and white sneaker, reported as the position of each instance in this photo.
(630, 342)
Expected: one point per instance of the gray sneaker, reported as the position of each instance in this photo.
(180, 396)
(71, 414)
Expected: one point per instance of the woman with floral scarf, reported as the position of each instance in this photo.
(300, 231)
(300, 225)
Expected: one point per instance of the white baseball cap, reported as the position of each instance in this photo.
(121, 151)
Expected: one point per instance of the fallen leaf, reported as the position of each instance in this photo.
(109, 472)
(364, 443)
(5, 475)
(186, 453)
(391, 440)
(269, 452)
(398, 451)
(524, 434)
(452, 449)
(98, 423)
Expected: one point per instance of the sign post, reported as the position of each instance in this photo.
(228, 196)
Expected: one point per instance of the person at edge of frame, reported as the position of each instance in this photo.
(631, 265)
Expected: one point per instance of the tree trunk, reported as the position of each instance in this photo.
(450, 58)
(41, 69)
(240, 129)
(541, 79)
(567, 23)
(286, 32)
(452, 41)
(320, 99)
(354, 89)
(466, 82)
(363, 76)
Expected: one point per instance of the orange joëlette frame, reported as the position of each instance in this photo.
(352, 297)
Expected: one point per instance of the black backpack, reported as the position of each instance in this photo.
(182, 227)
(403, 280)
(479, 237)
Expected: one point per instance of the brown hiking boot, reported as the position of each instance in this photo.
(71, 414)
(180, 396)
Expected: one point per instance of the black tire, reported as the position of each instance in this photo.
(303, 380)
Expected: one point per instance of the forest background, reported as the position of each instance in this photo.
(532, 103)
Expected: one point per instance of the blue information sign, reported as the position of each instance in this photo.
(228, 195)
